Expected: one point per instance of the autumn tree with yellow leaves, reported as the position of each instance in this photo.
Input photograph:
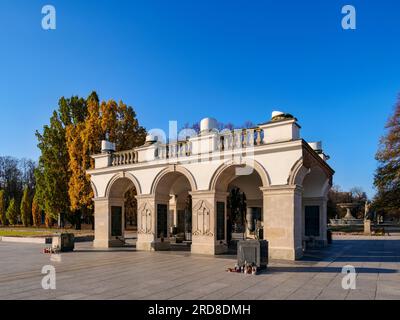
(83, 140)
(115, 121)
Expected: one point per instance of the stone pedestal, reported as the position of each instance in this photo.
(367, 227)
(348, 215)
(253, 252)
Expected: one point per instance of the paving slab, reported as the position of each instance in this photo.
(124, 273)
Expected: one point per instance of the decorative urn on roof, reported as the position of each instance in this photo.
(150, 139)
(279, 115)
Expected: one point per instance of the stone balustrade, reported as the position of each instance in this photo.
(174, 150)
(123, 157)
(226, 140)
(240, 139)
(207, 142)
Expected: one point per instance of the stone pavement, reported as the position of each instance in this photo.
(123, 273)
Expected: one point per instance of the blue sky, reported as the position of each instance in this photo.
(185, 60)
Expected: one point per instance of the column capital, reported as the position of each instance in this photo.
(207, 193)
(152, 197)
(100, 199)
(145, 196)
(282, 189)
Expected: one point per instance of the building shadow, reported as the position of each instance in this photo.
(299, 269)
(84, 238)
(361, 250)
(122, 249)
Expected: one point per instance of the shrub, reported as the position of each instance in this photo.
(36, 217)
(12, 212)
(26, 208)
(3, 219)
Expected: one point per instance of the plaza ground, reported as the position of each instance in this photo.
(123, 273)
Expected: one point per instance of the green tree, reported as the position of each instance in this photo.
(36, 217)
(52, 173)
(387, 176)
(3, 219)
(12, 212)
(26, 208)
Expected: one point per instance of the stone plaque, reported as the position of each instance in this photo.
(116, 221)
(162, 222)
(220, 220)
(312, 221)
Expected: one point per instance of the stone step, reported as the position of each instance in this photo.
(39, 240)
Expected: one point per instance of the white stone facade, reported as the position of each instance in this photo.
(278, 171)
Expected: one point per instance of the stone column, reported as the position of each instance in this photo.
(101, 223)
(102, 234)
(204, 222)
(147, 239)
(283, 221)
(367, 227)
(146, 222)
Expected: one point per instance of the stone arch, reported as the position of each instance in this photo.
(263, 174)
(95, 193)
(122, 175)
(316, 182)
(298, 172)
(326, 187)
(304, 166)
(173, 169)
